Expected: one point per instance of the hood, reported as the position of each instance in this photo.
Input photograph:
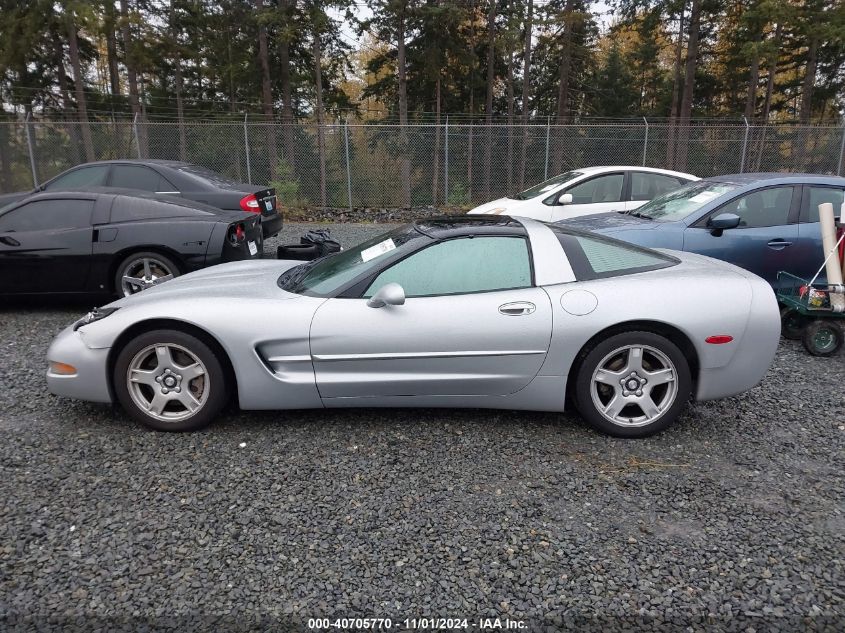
(499, 203)
(233, 281)
(602, 222)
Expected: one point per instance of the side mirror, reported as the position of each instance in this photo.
(390, 294)
(565, 198)
(724, 221)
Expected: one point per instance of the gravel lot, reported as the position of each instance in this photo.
(733, 519)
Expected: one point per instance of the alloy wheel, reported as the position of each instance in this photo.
(142, 273)
(634, 385)
(168, 382)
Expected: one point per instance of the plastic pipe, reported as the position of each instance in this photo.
(829, 244)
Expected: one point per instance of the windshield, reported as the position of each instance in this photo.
(545, 187)
(324, 276)
(678, 204)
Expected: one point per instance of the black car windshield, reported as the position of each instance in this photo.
(677, 204)
(322, 277)
(546, 186)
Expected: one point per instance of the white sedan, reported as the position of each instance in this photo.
(587, 191)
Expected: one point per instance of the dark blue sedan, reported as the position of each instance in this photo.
(762, 222)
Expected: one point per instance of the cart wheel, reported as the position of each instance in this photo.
(792, 323)
(822, 337)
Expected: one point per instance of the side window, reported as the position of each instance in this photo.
(596, 257)
(814, 196)
(138, 177)
(762, 208)
(459, 266)
(93, 176)
(646, 186)
(42, 215)
(600, 189)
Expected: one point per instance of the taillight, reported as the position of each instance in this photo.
(237, 234)
(250, 204)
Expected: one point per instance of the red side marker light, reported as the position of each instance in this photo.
(719, 339)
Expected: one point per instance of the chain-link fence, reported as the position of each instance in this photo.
(378, 165)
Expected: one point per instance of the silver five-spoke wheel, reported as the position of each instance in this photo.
(167, 381)
(634, 385)
(145, 271)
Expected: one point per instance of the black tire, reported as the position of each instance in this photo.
(589, 364)
(158, 262)
(792, 323)
(822, 337)
(214, 380)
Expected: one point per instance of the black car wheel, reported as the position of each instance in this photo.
(632, 384)
(143, 270)
(822, 337)
(170, 381)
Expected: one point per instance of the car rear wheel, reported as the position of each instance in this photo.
(143, 270)
(170, 381)
(633, 384)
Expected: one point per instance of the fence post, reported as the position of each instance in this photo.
(446, 165)
(348, 164)
(31, 149)
(548, 129)
(246, 150)
(645, 143)
(744, 146)
(135, 130)
(841, 150)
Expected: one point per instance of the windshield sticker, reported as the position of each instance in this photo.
(376, 251)
(704, 196)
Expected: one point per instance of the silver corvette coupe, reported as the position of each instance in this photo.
(474, 311)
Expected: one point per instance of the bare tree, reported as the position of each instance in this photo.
(111, 48)
(563, 84)
(266, 90)
(321, 133)
(79, 83)
(177, 81)
(526, 91)
(131, 62)
(809, 81)
(405, 160)
(674, 108)
(689, 85)
(754, 72)
(284, 77)
(510, 98)
(488, 106)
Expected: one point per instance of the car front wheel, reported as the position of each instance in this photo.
(170, 381)
(632, 384)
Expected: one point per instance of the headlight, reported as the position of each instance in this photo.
(95, 315)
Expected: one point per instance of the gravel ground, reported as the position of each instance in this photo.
(731, 520)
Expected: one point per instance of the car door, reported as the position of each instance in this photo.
(45, 246)
(472, 324)
(599, 194)
(763, 243)
(809, 255)
(646, 185)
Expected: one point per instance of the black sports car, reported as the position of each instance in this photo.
(115, 241)
(172, 178)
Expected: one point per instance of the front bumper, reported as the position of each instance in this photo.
(91, 381)
(271, 224)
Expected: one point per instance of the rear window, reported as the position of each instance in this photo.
(218, 180)
(597, 257)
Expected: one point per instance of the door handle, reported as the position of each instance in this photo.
(778, 244)
(9, 241)
(517, 308)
